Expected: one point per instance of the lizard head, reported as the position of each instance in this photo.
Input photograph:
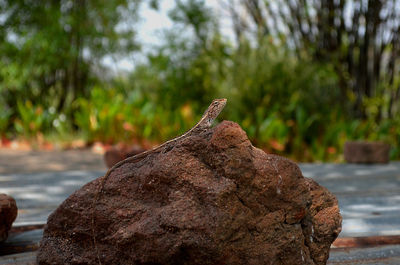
(215, 108)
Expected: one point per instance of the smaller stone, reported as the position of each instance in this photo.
(366, 152)
(8, 213)
(114, 155)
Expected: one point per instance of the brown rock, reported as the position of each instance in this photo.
(366, 152)
(8, 213)
(323, 223)
(112, 156)
(211, 199)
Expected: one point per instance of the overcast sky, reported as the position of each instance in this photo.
(150, 28)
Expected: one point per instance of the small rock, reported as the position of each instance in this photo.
(323, 222)
(8, 213)
(366, 152)
(114, 154)
(212, 198)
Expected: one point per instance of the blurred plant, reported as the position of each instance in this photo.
(284, 102)
(98, 117)
(289, 102)
(359, 38)
(51, 50)
(32, 120)
(5, 114)
(128, 117)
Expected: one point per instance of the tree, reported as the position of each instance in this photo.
(50, 49)
(361, 38)
(183, 68)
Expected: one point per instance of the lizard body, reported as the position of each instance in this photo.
(204, 123)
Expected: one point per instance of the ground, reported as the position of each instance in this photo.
(368, 194)
(20, 161)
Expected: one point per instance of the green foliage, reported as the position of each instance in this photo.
(32, 120)
(128, 117)
(49, 49)
(281, 99)
(5, 114)
(288, 104)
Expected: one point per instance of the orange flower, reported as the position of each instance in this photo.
(331, 150)
(276, 145)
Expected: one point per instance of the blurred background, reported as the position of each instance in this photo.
(301, 76)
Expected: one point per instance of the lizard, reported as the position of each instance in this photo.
(212, 112)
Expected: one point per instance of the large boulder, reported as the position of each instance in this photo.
(8, 213)
(212, 198)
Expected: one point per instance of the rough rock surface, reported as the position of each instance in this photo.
(8, 213)
(366, 152)
(211, 199)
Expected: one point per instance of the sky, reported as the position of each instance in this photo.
(150, 28)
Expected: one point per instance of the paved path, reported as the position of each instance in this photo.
(40, 180)
(18, 161)
(369, 195)
(39, 194)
